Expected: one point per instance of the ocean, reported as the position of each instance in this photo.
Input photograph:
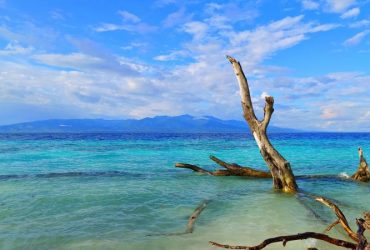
(122, 191)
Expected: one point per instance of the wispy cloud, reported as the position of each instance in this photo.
(339, 6)
(354, 12)
(130, 22)
(356, 39)
(310, 5)
(129, 17)
(360, 24)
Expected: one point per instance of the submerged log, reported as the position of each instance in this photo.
(363, 172)
(238, 170)
(231, 169)
(191, 221)
(282, 174)
(193, 167)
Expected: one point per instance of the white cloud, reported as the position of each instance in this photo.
(356, 39)
(359, 24)
(129, 17)
(197, 29)
(134, 28)
(266, 40)
(351, 13)
(15, 49)
(171, 56)
(339, 6)
(130, 22)
(73, 60)
(176, 18)
(310, 5)
(329, 113)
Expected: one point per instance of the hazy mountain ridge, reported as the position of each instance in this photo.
(158, 124)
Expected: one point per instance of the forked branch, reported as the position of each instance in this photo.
(283, 178)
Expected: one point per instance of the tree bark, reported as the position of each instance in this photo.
(363, 172)
(283, 178)
(235, 169)
(231, 169)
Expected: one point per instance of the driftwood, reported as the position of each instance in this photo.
(362, 242)
(367, 220)
(358, 237)
(283, 177)
(194, 216)
(282, 174)
(341, 218)
(231, 169)
(286, 238)
(191, 221)
(280, 170)
(363, 172)
(238, 170)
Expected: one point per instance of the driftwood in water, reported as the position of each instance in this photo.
(190, 226)
(341, 218)
(358, 237)
(282, 174)
(238, 170)
(363, 172)
(362, 242)
(367, 220)
(194, 216)
(231, 169)
(286, 238)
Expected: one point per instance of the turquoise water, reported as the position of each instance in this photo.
(110, 191)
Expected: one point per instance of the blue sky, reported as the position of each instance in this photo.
(133, 59)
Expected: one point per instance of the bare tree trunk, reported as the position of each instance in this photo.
(363, 172)
(283, 178)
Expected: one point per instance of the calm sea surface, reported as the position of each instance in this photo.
(109, 191)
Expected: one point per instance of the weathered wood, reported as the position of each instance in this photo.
(363, 172)
(193, 167)
(191, 221)
(331, 226)
(367, 220)
(194, 216)
(238, 170)
(287, 238)
(283, 178)
(362, 242)
(341, 218)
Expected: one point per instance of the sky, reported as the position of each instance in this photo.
(132, 59)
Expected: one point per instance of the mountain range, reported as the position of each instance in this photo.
(157, 124)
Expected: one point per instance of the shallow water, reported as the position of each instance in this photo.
(109, 191)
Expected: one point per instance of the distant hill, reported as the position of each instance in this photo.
(158, 124)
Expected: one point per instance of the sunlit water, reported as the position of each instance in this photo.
(110, 191)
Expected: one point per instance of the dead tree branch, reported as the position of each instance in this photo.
(285, 239)
(281, 172)
(363, 172)
(341, 218)
(190, 226)
(238, 170)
